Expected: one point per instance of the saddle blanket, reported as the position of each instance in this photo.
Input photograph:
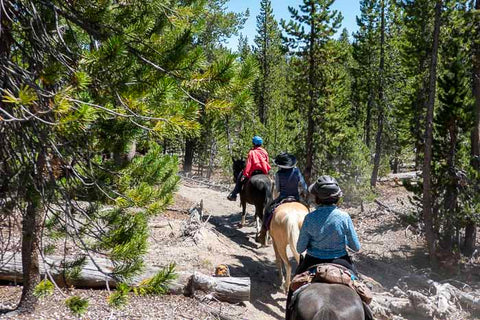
(332, 273)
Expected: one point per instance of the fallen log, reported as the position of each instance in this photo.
(229, 289)
(88, 276)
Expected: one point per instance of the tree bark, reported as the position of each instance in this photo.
(312, 83)
(451, 193)
(471, 228)
(31, 230)
(381, 101)
(427, 161)
(368, 120)
(189, 152)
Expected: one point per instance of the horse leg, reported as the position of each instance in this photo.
(288, 271)
(282, 253)
(279, 262)
(244, 213)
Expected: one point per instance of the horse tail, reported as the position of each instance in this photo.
(294, 233)
(325, 313)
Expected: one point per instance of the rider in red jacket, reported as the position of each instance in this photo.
(257, 161)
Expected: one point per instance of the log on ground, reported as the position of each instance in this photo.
(229, 289)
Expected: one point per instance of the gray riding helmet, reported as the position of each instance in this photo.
(325, 188)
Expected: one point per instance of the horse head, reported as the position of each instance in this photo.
(237, 167)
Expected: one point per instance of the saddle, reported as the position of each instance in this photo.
(332, 273)
(272, 209)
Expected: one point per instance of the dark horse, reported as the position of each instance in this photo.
(325, 301)
(256, 191)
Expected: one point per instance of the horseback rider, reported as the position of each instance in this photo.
(287, 180)
(257, 160)
(326, 232)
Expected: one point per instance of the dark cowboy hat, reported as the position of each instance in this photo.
(326, 188)
(285, 160)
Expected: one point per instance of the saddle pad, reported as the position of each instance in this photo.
(332, 273)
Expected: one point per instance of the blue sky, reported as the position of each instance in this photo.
(349, 9)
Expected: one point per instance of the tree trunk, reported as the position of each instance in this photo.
(451, 194)
(471, 228)
(427, 161)
(31, 230)
(418, 119)
(381, 101)
(189, 152)
(368, 120)
(312, 84)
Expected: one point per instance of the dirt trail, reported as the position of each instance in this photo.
(390, 249)
(236, 247)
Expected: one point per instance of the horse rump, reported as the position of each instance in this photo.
(325, 301)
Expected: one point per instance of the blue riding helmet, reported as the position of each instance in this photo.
(258, 141)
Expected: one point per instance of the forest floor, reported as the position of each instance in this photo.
(391, 249)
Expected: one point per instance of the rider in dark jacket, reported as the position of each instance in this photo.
(287, 180)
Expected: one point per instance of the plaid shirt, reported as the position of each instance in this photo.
(326, 232)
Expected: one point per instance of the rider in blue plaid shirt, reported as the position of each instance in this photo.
(328, 231)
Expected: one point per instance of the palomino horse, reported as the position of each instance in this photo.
(284, 231)
(326, 301)
(256, 191)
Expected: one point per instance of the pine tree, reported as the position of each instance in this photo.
(471, 227)
(321, 23)
(86, 83)
(366, 55)
(452, 127)
(416, 45)
(427, 164)
(270, 87)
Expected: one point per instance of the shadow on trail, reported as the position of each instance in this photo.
(262, 270)
(228, 225)
(265, 283)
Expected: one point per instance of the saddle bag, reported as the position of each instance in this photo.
(300, 280)
(332, 273)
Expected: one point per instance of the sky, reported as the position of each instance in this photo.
(349, 9)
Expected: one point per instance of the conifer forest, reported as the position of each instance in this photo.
(120, 120)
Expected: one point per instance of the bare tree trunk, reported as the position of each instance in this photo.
(427, 161)
(368, 120)
(418, 120)
(31, 225)
(312, 83)
(381, 101)
(471, 228)
(189, 152)
(451, 193)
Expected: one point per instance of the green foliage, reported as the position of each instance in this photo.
(119, 298)
(149, 181)
(77, 305)
(43, 289)
(158, 284)
(72, 269)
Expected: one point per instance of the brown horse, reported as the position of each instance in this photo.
(326, 301)
(284, 231)
(256, 191)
